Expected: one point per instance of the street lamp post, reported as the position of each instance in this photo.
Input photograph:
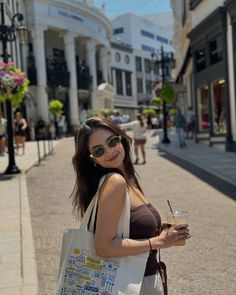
(8, 34)
(165, 59)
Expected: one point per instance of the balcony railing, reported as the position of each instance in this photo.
(84, 80)
(31, 70)
(57, 74)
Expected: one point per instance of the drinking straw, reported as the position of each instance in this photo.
(171, 210)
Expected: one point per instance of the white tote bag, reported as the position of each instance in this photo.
(82, 272)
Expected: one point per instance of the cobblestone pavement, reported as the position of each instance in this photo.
(205, 266)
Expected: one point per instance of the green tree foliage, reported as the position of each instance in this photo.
(165, 93)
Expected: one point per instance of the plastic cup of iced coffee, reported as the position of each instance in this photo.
(177, 217)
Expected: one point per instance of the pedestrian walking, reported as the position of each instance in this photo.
(180, 122)
(190, 118)
(62, 125)
(41, 129)
(20, 132)
(139, 135)
(149, 122)
(103, 149)
(3, 132)
(31, 127)
(116, 117)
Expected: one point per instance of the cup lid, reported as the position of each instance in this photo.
(177, 212)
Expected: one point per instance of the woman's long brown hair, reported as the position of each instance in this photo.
(87, 175)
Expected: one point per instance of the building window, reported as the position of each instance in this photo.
(127, 59)
(117, 56)
(148, 86)
(118, 31)
(218, 110)
(148, 48)
(138, 64)
(128, 83)
(215, 51)
(147, 34)
(139, 85)
(200, 59)
(147, 66)
(162, 39)
(119, 84)
(203, 108)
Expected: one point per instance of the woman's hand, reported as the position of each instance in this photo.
(170, 235)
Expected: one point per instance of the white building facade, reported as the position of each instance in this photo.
(67, 55)
(142, 36)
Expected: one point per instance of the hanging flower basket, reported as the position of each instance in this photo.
(13, 84)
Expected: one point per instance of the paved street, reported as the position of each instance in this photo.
(206, 266)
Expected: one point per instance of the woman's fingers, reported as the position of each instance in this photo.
(179, 226)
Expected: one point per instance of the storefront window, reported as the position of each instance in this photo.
(218, 110)
(203, 108)
(200, 59)
(215, 49)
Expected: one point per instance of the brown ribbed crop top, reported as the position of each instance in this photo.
(145, 223)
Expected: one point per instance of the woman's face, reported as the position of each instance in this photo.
(18, 116)
(113, 157)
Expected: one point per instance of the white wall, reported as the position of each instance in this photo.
(133, 25)
(204, 9)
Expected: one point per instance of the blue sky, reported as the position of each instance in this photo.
(139, 7)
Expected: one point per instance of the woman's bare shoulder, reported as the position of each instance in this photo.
(114, 185)
(116, 179)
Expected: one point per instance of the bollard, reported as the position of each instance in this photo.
(38, 149)
(48, 140)
(44, 147)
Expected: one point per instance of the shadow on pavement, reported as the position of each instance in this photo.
(216, 182)
(5, 177)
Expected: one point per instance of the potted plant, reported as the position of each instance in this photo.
(13, 84)
(55, 108)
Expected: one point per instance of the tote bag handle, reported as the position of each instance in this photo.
(123, 225)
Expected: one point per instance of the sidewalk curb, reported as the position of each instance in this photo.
(29, 266)
(162, 149)
(30, 283)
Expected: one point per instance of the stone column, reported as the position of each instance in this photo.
(37, 33)
(114, 85)
(103, 61)
(69, 40)
(91, 62)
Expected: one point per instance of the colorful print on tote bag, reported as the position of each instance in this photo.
(89, 273)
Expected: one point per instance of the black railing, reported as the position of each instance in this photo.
(57, 73)
(31, 70)
(84, 80)
(99, 77)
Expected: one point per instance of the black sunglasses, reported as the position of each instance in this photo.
(111, 143)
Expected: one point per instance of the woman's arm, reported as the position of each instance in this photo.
(126, 126)
(24, 126)
(111, 201)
